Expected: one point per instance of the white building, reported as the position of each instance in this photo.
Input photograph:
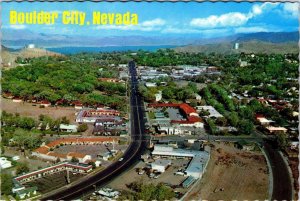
(68, 128)
(160, 165)
(4, 163)
(212, 111)
(30, 46)
(150, 84)
(236, 46)
(158, 96)
(106, 156)
(197, 97)
(196, 166)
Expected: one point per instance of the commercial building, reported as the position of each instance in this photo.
(182, 119)
(212, 111)
(90, 115)
(191, 116)
(44, 152)
(109, 126)
(68, 128)
(197, 165)
(23, 192)
(160, 165)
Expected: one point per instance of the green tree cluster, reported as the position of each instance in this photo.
(148, 192)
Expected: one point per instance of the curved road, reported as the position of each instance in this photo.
(282, 182)
(131, 155)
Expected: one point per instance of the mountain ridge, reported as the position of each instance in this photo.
(20, 38)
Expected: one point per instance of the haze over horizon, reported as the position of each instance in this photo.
(159, 23)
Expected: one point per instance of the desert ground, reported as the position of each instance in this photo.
(27, 109)
(233, 174)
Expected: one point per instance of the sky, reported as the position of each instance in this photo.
(168, 19)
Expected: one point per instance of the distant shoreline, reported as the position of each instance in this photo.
(95, 49)
(78, 49)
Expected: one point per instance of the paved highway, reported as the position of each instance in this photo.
(130, 157)
(282, 182)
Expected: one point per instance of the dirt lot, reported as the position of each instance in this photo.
(27, 109)
(167, 177)
(233, 174)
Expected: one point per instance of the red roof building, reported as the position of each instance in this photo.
(190, 112)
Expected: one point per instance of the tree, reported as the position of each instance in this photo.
(64, 120)
(212, 126)
(282, 140)
(148, 192)
(82, 127)
(6, 184)
(221, 121)
(193, 87)
(22, 168)
(57, 160)
(246, 126)
(2, 148)
(74, 160)
(168, 93)
(93, 164)
(204, 112)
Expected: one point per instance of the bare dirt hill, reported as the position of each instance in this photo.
(9, 56)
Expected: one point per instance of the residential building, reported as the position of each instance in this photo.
(4, 163)
(274, 130)
(150, 84)
(158, 96)
(263, 121)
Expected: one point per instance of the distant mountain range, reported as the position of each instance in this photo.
(20, 38)
(251, 46)
(272, 37)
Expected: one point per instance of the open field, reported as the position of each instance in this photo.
(233, 174)
(27, 109)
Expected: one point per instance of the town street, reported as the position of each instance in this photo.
(130, 157)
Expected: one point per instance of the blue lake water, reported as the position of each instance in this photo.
(74, 50)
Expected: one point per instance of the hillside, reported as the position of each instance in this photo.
(271, 37)
(253, 46)
(23, 37)
(9, 55)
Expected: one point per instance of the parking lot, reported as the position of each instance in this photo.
(93, 150)
(53, 181)
(169, 178)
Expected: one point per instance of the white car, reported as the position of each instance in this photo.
(121, 159)
(179, 173)
(15, 158)
(141, 172)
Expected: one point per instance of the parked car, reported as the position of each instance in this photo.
(179, 173)
(141, 172)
